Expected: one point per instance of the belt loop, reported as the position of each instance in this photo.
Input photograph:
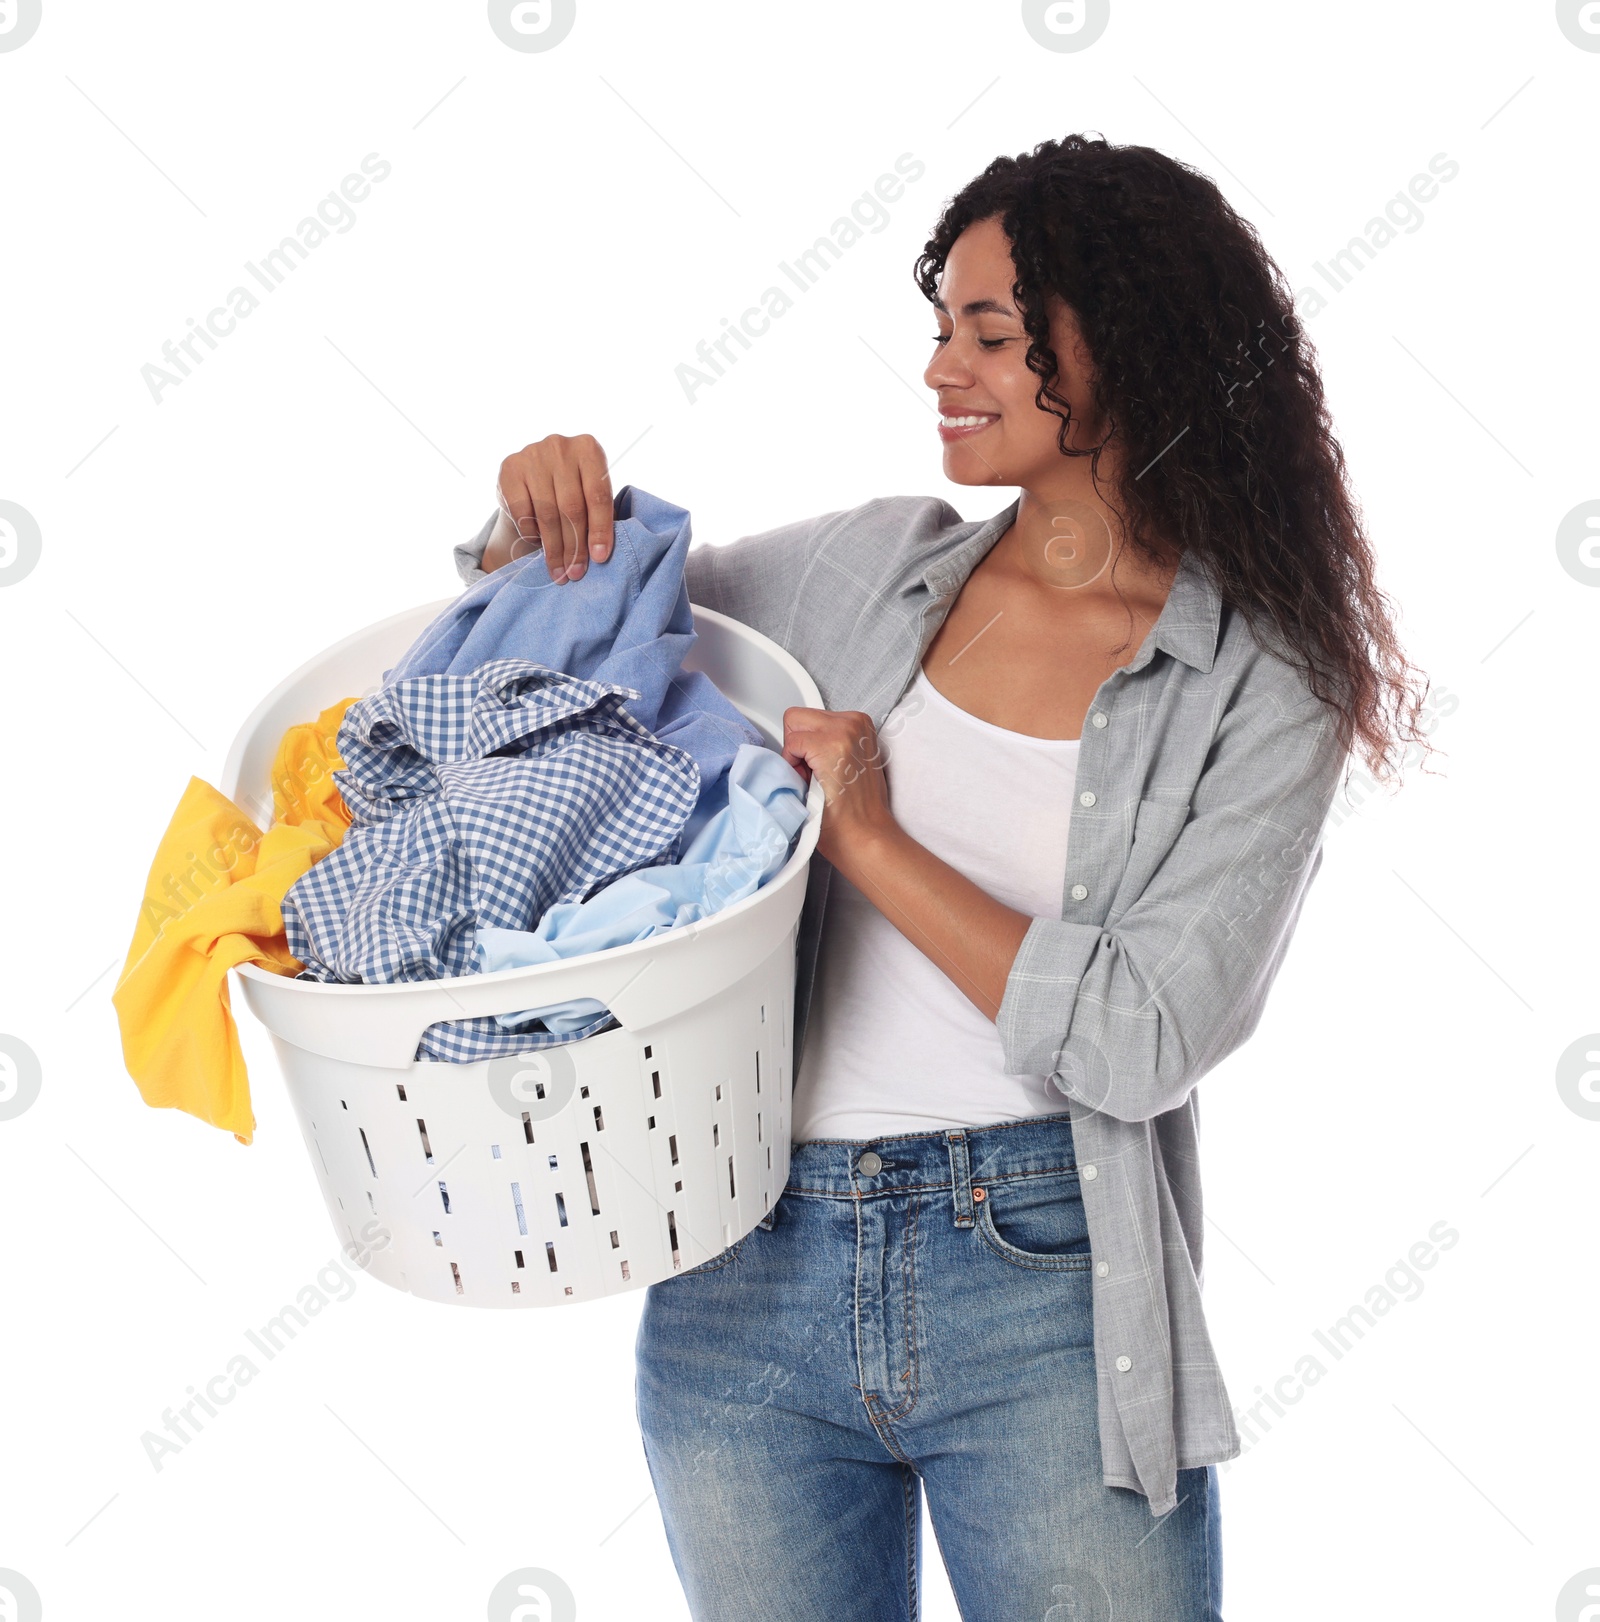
(960, 1176)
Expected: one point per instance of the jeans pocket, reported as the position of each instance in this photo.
(1035, 1222)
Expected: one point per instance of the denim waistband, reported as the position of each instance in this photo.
(956, 1158)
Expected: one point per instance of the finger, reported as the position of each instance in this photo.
(516, 504)
(799, 763)
(793, 746)
(598, 498)
(541, 491)
(802, 718)
(573, 507)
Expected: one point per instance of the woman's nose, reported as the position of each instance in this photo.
(946, 370)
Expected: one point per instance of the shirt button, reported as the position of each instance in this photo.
(1079, 892)
(1124, 1364)
(1102, 1269)
(1097, 719)
(1088, 1173)
(1087, 797)
(869, 1165)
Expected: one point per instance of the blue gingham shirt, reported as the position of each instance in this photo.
(481, 801)
(1212, 768)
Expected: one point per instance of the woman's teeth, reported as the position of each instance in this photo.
(964, 422)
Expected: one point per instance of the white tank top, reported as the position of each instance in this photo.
(892, 1044)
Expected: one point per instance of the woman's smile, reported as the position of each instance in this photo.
(963, 425)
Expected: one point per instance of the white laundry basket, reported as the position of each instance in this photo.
(587, 1169)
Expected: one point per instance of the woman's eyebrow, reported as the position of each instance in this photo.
(979, 306)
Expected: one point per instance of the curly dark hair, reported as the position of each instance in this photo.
(1193, 333)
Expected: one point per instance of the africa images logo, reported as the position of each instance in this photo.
(532, 25)
(18, 21)
(532, 1595)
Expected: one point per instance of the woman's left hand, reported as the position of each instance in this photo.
(840, 747)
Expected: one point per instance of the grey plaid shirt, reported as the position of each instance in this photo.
(1205, 774)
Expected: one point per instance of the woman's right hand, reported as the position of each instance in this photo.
(555, 492)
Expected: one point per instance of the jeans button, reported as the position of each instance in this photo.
(869, 1164)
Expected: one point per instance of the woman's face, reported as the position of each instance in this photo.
(992, 430)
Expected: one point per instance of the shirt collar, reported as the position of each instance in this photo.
(1187, 627)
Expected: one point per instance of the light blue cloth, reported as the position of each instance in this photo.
(734, 854)
(625, 622)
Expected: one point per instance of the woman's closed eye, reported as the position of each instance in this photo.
(983, 343)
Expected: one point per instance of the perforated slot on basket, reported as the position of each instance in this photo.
(672, 1234)
(552, 1162)
(733, 1193)
(371, 1202)
(716, 1134)
(518, 1255)
(647, 1050)
(758, 1126)
(758, 1070)
(588, 1172)
(422, 1132)
(516, 1289)
(769, 1157)
(615, 1242)
(583, 1092)
(672, 1147)
(516, 1200)
(561, 1210)
(437, 1239)
(455, 1273)
(655, 1082)
(401, 1090)
(599, 1120)
(550, 1254)
(527, 1127)
(368, 1147)
(625, 1270)
(444, 1195)
(718, 1094)
(494, 1151)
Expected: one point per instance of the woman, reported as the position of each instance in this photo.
(983, 1275)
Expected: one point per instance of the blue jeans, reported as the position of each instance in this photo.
(922, 1320)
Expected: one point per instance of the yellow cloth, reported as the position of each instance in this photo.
(213, 900)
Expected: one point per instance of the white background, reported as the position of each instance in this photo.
(557, 234)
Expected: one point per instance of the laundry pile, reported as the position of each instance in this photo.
(537, 778)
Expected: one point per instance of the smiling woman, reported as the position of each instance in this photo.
(1118, 711)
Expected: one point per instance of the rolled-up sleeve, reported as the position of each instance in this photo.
(1126, 1016)
(700, 575)
(469, 554)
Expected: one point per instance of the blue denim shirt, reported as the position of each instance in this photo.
(1205, 775)
(628, 624)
